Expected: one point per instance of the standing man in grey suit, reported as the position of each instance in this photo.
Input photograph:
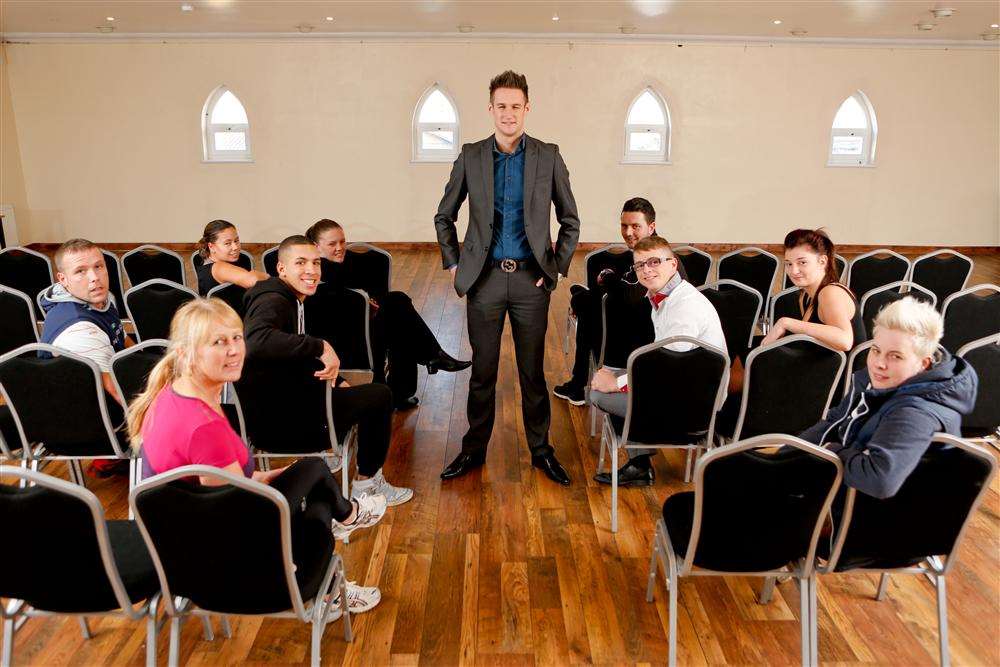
(506, 266)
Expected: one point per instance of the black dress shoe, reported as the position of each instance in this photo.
(445, 362)
(406, 403)
(629, 474)
(548, 464)
(462, 464)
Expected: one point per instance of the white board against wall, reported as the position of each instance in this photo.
(9, 225)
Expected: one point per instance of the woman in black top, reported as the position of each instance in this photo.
(219, 248)
(829, 310)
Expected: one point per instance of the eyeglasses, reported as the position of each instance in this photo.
(652, 263)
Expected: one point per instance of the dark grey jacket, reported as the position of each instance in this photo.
(883, 444)
(546, 182)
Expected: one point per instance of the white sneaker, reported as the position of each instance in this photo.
(335, 460)
(394, 495)
(371, 508)
(360, 598)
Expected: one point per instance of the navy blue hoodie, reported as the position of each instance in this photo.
(882, 445)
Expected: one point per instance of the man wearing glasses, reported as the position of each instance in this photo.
(638, 221)
(678, 309)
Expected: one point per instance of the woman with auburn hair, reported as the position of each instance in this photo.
(219, 247)
(829, 311)
(178, 421)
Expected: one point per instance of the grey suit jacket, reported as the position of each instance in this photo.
(546, 182)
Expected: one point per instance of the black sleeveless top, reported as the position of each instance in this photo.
(857, 321)
(206, 280)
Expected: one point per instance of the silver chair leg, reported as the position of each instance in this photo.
(151, 633)
(805, 620)
(813, 622)
(7, 650)
(883, 586)
(942, 608)
(600, 455)
(689, 465)
(206, 625)
(175, 641)
(767, 590)
(672, 610)
(316, 644)
(651, 576)
(227, 630)
(614, 487)
(84, 628)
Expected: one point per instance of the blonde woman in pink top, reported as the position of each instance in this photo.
(178, 421)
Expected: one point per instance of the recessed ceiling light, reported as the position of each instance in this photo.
(942, 12)
(187, 8)
(776, 21)
(995, 25)
(329, 18)
(109, 18)
(555, 17)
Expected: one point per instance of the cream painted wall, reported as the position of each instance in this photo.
(11, 176)
(110, 139)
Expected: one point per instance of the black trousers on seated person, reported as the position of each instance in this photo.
(310, 480)
(370, 407)
(586, 306)
(401, 337)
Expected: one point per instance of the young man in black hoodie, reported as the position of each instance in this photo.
(283, 384)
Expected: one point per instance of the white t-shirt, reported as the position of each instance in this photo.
(89, 341)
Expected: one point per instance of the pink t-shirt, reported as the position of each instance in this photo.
(179, 431)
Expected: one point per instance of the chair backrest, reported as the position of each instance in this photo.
(752, 266)
(230, 293)
(838, 259)
(657, 415)
(227, 548)
(756, 512)
(926, 517)
(130, 368)
(17, 320)
(784, 304)
(151, 306)
(787, 386)
(984, 356)
(856, 360)
(969, 316)
(345, 324)
(880, 297)
(25, 270)
(697, 264)
(739, 309)
(614, 256)
(58, 555)
(58, 401)
(943, 272)
(269, 258)
(370, 269)
(113, 263)
(875, 269)
(148, 262)
(245, 261)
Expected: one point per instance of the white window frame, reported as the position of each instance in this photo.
(648, 157)
(208, 129)
(435, 156)
(868, 134)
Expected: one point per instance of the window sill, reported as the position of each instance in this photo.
(850, 166)
(647, 162)
(228, 160)
(447, 160)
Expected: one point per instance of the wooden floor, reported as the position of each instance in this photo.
(503, 567)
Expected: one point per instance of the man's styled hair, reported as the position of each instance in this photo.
(640, 205)
(918, 320)
(286, 246)
(651, 243)
(509, 79)
(73, 245)
(321, 227)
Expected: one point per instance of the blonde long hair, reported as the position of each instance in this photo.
(190, 328)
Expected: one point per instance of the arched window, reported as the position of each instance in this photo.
(226, 128)
(647, 129)
(435, 127)
(852, 139)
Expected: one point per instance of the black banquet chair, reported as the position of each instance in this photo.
(969, 315)
(787, 387)
(232, 294)
(614, 256)
(984, 420)
(880, 297)
(942, 272)
(17, 320)
(130, 367)
(739, 308)
(784, 304)
(750, 514)
(875, 269)
(269, 569)
(113, 264)
(370, 269)
(151, 306)
(687, 421)
(752, 266)
(245, 261)
(697, 264)
(856, 360)
(25, 270)
(64, 558)
(148, 262)
(343, 319)
(60, 408)
(269, 258)
(917, 531)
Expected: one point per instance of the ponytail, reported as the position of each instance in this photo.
(212, 231)
(163, 373)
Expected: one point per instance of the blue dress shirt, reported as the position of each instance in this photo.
(509, 239)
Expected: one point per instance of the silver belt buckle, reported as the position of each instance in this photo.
(508, 265)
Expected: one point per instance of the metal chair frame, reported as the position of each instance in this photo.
(935, 253)
(31, 307)
(750, 249)
(16, 612)
(152, 246)
(697, 251)
(570, 317)
(872, 253)
(735, 283)
(264, 255)
(994, 439)
(848, 373)
(901, 286)
(152, 281)
(773, 301)
(352, 247)
(316, 612)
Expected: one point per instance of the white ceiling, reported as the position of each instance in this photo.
(848, 19)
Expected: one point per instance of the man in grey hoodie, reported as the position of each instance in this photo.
(909, 391)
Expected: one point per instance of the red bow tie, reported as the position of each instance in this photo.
(656, 299)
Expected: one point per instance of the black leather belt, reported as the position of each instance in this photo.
(512, 265)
